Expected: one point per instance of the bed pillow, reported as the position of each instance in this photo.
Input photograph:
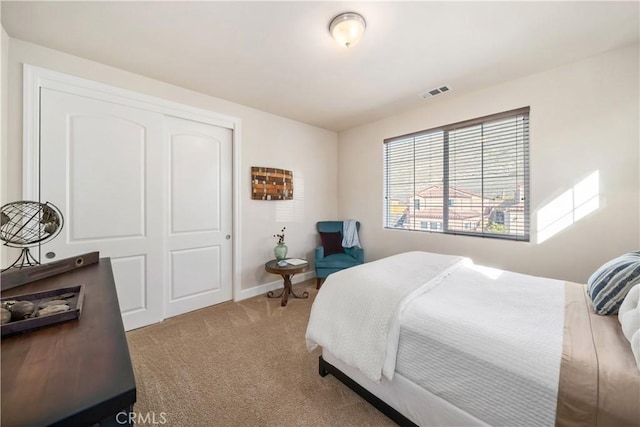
(332, 243)
(609, 285)
(629, 317)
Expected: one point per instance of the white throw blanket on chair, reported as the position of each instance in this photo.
(350, 234)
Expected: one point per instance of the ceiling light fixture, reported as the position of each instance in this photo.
(347, 28)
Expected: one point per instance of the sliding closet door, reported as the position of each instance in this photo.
(199, 244)
(101, 164)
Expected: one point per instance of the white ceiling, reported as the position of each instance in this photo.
(280, 58)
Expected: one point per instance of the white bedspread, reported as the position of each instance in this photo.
(355, 314)
(489, 342)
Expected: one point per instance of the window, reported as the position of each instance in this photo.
(467, 178)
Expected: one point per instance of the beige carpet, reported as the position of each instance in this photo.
(240, 364)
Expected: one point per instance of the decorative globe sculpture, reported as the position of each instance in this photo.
(27, 223)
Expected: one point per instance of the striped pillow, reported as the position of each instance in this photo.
(609, 285)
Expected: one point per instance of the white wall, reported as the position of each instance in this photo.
(584, 118)
(4, 99)
(267, 140)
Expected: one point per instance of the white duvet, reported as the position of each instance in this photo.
(489, 342)
(486, 340)
(356, 312)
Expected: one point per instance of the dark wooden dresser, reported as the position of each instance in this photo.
(77, 373)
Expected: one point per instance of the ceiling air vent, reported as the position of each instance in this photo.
(434, 92)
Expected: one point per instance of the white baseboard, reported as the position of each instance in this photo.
(263, 289)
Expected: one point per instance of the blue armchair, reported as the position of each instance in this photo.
(327, 264)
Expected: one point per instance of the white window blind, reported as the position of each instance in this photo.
(467, 178)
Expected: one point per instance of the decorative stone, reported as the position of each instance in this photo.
(21, 310)
(52, 309)
(67, 295)
(50, 227)
(7, 304)
(5, 316)
(52, 302)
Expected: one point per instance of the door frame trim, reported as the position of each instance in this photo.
(36, 78)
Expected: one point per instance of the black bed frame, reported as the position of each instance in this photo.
(325, 368)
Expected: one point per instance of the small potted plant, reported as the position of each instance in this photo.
(280, 251)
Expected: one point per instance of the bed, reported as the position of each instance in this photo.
(436, 340)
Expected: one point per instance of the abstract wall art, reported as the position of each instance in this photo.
(271, 184)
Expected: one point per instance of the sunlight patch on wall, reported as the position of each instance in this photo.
(569, 207)
(298, 200)
(292, 210)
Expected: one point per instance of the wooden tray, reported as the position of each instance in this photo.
(21, 276)
(75, 308)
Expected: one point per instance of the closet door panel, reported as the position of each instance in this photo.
(96, 190)
(199, 241)
(101, 164)
(195, 171)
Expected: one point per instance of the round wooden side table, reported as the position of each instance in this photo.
(287, 272)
